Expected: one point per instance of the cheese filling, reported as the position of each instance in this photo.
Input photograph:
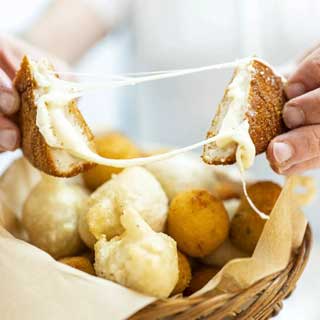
(235, 127)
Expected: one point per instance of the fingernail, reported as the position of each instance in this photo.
(282, 152)
(293, 116)
(8, 139)
(295, 89)
(8, 103)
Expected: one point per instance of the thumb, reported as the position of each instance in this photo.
(306, 77)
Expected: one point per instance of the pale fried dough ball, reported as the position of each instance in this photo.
(140, 259)
(51, 214)
(79, 262)
(182, 173)
(184, 274)
(87, 237)
(198, 222)
(113, 145)
(200, 278)
(246, 225)
(134, 188)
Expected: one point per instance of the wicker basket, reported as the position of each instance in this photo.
(260, 301)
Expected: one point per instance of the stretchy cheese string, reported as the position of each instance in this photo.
(79, 89)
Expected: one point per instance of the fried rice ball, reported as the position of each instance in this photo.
(134, 188)
(198, 222)
(184, 274)
(51, 214)
(113, 145)
(140, 259)
(79, 262)
(246, 225)
(200, 278)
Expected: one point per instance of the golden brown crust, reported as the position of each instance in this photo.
(33, 144)
(265, 103)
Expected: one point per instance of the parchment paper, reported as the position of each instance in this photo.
(34, 286)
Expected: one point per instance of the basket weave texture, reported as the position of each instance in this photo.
(259, 302)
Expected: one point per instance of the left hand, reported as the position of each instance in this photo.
(299, 149)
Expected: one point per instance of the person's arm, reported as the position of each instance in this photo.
(67, 29)
(299, 149)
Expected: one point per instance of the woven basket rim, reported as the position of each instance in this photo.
(262, 300)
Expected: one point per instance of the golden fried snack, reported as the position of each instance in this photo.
(251, 107)
(35, 83)
(79, 262)
(184, 274)
(51, 214)
(113, 145)
(140, 259)
(200, 278)
(133, 188)
(198, 222)
(246, 225)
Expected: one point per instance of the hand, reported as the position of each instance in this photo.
(299, 149)
(9, 98)
(11, 52)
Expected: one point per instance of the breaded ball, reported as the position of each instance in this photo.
(140, 259)
(134, 188)
(246, 225)
(200, 278)
(198, 222)
(184, 274)
(182, 173)
(79, 262)
(51, 214)
(113, 145)
(86, 236)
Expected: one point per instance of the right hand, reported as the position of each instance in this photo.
(298, 150)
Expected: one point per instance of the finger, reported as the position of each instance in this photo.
(9, 98)
(9, 135)
(294, 147)
(302, 110)
(302, 167)
(306, 77)
(8, 62)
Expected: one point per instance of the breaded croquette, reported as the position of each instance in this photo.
(246, 225)
(184, 274)
(79, 262)
(200, 278)
(113, 145)
(198, 222)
